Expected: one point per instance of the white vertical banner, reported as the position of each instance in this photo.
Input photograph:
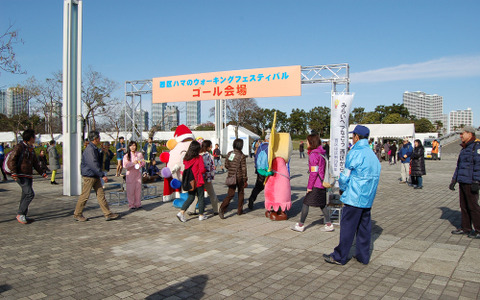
(340, 112)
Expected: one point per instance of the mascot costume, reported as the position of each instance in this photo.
(172, 173)
(277, 186)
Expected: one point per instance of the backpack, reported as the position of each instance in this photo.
(188, 180)
(328, 180)
(7, 163)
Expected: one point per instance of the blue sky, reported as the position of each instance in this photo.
(391, 46)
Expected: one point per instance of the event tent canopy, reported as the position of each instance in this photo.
(388, 131)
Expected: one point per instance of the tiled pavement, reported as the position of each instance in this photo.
(150, 254)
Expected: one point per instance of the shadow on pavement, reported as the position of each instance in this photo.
(4, 288)
(192, 288)
(453, 216)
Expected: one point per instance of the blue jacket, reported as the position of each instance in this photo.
(91, 165)
(359, 179)
(468, 164)
(261, 157)
(406, 149)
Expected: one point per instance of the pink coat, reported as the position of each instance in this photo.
(133, 175)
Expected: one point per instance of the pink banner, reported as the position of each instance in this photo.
(251, 83)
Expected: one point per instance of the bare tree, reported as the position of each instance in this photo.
(240, 112)
(8, 62)
(48, 100)
(96, 96)
(114, 120)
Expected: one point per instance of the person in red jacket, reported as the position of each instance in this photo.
(193, 160)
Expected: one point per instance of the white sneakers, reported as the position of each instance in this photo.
(181, 217)
(297, 227)
(327, 228)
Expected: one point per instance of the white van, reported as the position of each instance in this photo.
(427, 139)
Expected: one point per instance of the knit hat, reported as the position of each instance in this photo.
(182, 133)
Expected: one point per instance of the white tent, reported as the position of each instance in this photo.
(243, 133)
(388, 131)
(8, 137)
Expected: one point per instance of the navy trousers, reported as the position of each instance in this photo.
(355, 222)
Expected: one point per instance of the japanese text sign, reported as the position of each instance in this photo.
(340, 111)
(251, 83)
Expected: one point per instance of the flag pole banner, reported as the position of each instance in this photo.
(340, 112)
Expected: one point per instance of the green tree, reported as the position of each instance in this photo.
(357, 115)
(298, 122)
(263, 120)
(372, 117)
(395, 118)
(424, 125)
(319, 120)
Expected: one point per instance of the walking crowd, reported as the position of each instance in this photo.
(357, 184)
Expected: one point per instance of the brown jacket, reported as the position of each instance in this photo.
(29, 161)
(236, 162)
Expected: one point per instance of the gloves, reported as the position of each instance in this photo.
(452, 185)
(474, 188)
(264, 172)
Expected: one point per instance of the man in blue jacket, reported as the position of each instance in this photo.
(467, 174)
(404, 155)
(91, 169)
(358, 186)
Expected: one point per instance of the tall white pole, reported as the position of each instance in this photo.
(72, 92)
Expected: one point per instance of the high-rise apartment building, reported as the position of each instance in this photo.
(158, 115)
(460, 119)
(13, 101)
(194, 113)
(141, 119)
(166, 116)
(423, 105)
(172, 117)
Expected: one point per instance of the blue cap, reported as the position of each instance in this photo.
(361, 130)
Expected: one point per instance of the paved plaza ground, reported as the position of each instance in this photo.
(150, 254)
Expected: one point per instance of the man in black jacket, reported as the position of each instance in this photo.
(91, 169)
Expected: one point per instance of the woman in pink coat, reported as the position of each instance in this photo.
(133, 162)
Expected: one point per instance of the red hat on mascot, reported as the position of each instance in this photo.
(182, 133)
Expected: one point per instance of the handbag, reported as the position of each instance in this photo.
(328, 179)
(231, 180)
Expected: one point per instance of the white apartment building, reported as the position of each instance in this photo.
(423, 105)
(460, 118)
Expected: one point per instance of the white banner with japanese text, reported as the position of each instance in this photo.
(340, 112)
(251, 83)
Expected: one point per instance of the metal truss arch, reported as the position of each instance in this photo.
(335, 74)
